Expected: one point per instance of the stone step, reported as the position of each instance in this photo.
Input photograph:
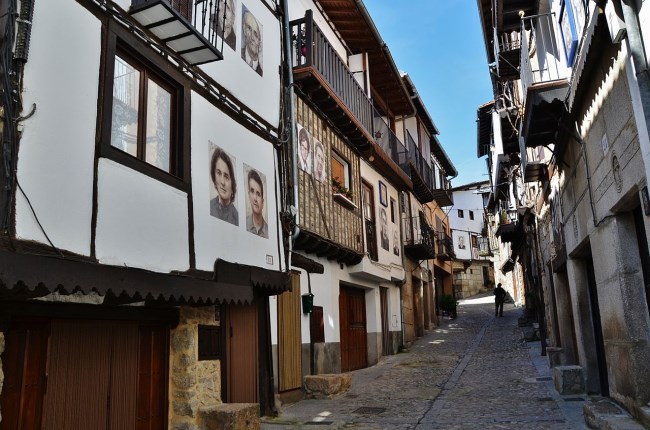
(326, 385)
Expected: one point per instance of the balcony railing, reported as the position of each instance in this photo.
(421, 244)
(541, 61)
(444, 246)
(507, 46)
(312, 49)
(190, 27)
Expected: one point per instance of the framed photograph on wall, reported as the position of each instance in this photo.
(383, 194)
(567, 24)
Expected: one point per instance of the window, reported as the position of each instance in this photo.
(340, 170)
(209, 345)
(145, 117)
(142, 114)
(461, 214)
(471, 215)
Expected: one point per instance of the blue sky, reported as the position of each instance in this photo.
(439, 43)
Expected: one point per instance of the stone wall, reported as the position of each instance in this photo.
(192, 384)
(469, 282)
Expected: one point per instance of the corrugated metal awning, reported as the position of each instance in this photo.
(29, 275)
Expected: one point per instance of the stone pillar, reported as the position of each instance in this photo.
(585, 337)
(564, 307)
(193, 384)
(623, 309)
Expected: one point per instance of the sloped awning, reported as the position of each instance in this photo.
(24, 276)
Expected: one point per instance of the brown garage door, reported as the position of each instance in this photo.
(352, 315)
(100, 375)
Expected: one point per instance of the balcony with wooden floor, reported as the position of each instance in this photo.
(544, 80)
(323, 77)
(420, 244)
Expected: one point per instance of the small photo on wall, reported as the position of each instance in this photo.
(256, 192)
(383, 229)
(223, 22)
(304, 149)
(251, 49)
(223, 185)
(395, 242)
(320, 162)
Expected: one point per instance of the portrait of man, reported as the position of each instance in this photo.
(320, 165)
(304, 149)
(255, 207)
(224, 23)
(383, 229)
(461, 242)
(223, 186)
(251, 50)
(395, 243)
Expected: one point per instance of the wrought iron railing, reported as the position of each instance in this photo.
(445, 246)
(417, 160)
(540, 58)
(422, 232)
(206, 16)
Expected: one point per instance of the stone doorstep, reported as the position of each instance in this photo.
(569, 380)
(644, 415)
(607, 415)
(230, 416)
(327, 385)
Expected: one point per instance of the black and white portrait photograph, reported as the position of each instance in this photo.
(383, 229)
(255, 202)
(395, 242)
(304, 149)
(251, 48)
(224, 22)
(320, 162)
(461, 242)
(223, 185)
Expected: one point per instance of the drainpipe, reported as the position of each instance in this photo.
(292, 122)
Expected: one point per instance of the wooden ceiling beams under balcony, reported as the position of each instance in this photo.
(359, 33)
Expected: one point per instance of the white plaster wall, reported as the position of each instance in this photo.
(55, 161)
(371, 176)
(467, 201)
(214, 238)
(644, 24)
(141, 222)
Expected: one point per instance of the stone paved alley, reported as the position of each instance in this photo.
(474, 372)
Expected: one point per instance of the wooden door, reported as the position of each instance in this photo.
(385, 330)
(289, 338)
(85, 375)
(242, 354)
(24, 366)
(352, 316)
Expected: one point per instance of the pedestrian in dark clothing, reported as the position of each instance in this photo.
(499, 298)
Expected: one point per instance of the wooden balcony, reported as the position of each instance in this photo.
(413, 163)
(323, 76)
(544, 79)
(420, 244)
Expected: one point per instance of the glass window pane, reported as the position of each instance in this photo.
(126, 91)
(158, 135)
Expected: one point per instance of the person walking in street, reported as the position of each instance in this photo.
(499, 298)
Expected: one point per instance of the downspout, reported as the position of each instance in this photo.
(292, 121)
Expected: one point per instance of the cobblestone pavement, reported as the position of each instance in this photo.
(474, 372)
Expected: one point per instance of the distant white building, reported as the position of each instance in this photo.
(473, 271)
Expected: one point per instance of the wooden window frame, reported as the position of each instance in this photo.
(461, 214)
(118, 42)
(347, 180)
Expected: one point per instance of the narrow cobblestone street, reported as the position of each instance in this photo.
(474, 372)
